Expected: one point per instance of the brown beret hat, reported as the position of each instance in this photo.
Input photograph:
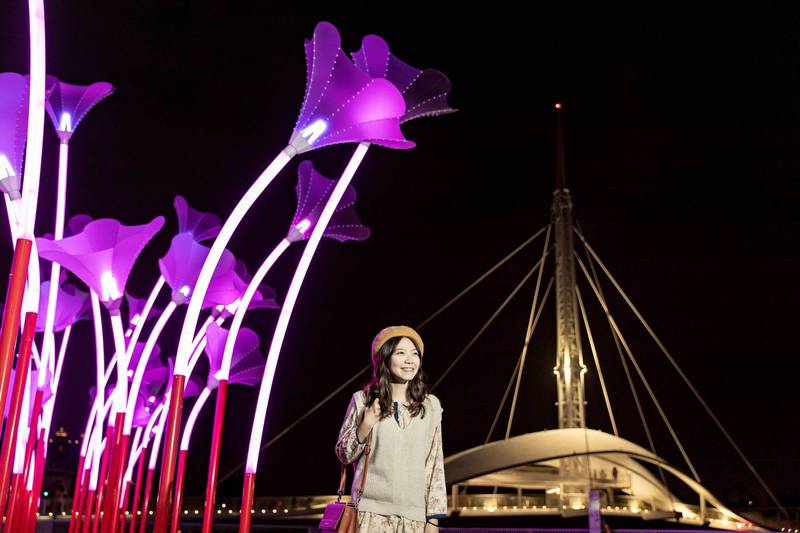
(395, 331)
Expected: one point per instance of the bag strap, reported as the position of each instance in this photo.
(343, 477)
(367, 450)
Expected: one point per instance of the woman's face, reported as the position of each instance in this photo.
(404, 362)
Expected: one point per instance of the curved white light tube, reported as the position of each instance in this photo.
(99, 397)
(48, 412)
(62, 352)
(88, 431)
(12, 210)
(137, 436)
(30, 300)
(236, 324)
(121, 390)
(136, 450)
(210, 264)
(265, 389)
(29, 481)
(136, 384)
(161, 423)
(159, 431)
(93, 412)
(148, 306)
(196, 408)
(200, 342)
(96, 446)
(23, 429)
(35, 356)
(96, 456)
(48, 346)
(33, 146)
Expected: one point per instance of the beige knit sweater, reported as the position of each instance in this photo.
(396, 481)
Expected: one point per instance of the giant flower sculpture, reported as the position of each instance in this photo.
(424, 93)
(341, 104)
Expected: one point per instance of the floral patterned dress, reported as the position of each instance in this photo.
(349, 449)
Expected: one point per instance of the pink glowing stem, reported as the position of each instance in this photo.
(99, 354)
(121, 390)
(247, 297)
(248, 490)
(50, 405)
(159, 433)
(171, 422)
(12, 210)
(136, 383)
(213, 456)
(33, 150)
(177, 501)
(97, 457)
(148, 489)
(137, 488)
(136, 450)
(123, 508)
(36, 490)
(78, 489)
(25, 445)
(23, 436)
(214, 255)
(259, 418)
(30, 302)
(92, 415)
(148, 306)
(200, 343)
(30, 193)
(87, 519)
(18, 394)
(196, 408)
(48, 347)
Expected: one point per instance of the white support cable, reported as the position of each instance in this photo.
(596, 361)
(631, 384)
(483, 276)
(628, 376)
(639, 371)
(487, 323)
(683, 376)
(529, 331)
(512, 380)
(369, 366)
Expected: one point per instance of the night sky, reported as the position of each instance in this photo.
(681, 130)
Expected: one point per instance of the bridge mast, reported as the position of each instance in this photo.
(569, 369)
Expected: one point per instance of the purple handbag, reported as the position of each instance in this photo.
(339, 516)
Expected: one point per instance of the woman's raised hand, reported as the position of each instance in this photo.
(372, 416)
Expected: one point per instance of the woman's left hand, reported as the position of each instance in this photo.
(430, 528)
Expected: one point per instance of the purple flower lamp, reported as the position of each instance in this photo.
(68, 104)
(202, 226)
(13, 131)
(102, 255)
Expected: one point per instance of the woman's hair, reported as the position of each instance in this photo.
(380, 386)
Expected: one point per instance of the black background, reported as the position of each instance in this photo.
(681, 127)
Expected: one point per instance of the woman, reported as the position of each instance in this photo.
(405, 488)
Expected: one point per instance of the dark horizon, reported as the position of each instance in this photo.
(681, 135)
